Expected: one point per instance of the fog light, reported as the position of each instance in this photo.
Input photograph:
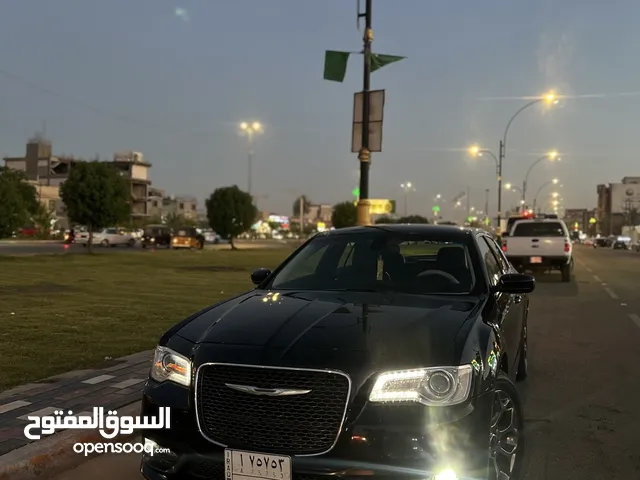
(447, 474)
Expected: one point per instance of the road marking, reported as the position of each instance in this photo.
(589, 270)
(43, 412)
(611, 293)
(635, 318)
(597, 278)
(98, 379)
(7, 407)
(128, 383)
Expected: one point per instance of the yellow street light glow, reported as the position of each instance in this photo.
(552, 155)
(253, 127)
(474, 150)
(555, 181)
(555, 194)
(244, 125)
(551, 98)
(256, 126)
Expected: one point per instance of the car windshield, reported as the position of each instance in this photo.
(539, 229)
(388, 261)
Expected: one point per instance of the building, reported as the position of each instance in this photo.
(184, 206)
(580, 219)
(618, 205)
(132, 166)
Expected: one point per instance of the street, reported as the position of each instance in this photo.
(581, 395)
(20, 248)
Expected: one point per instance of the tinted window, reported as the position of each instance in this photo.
(539, 229)
(408, 263)
(490, 261)
(497, 253)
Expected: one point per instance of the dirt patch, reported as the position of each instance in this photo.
(214, 268)
(42, 288)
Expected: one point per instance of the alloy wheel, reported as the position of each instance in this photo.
(504, 437)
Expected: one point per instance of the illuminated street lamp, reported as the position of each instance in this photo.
(550, 98)
(546, 184)
(250, 129)
(552, 156)
(407, 187)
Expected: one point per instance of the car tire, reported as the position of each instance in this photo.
(506, 428)
(104, 243)
(523, 363)
(144, 245)
(131, 243)
(565, 271)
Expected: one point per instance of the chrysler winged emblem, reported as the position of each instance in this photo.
(269, 392)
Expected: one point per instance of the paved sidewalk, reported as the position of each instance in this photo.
(111, 387)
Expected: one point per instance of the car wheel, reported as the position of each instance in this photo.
(131, 243)
(105, 243)
(523, 363)
(506, 436)
(565, 271)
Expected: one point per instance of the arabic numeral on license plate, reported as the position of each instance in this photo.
(240, 465)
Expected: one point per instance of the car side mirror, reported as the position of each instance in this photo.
(516, 283)
(260, 275)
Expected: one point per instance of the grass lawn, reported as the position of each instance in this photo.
(68, 312)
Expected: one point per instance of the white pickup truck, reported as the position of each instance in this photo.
(540, 245)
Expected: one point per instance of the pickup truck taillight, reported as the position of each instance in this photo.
(567, 246)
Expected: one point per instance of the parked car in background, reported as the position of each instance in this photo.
(108, 237)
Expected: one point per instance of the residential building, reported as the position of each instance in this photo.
(184, 206)
(618, 205)
(133, 167)
(154, 202)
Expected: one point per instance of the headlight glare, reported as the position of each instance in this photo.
(171, 366)
(433, 386)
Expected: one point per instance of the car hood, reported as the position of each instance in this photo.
(287, 327)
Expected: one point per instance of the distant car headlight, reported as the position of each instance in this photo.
(171, 366)
(433, 386)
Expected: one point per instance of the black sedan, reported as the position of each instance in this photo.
(387, 351)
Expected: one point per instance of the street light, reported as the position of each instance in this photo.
(546, 184)
(552, 156)
(250, 129)
(476, 151)
(407, 187)
(550, 98)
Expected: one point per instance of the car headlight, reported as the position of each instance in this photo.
(171, 366)
(433, 386)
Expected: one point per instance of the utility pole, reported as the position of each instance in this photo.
(500, 158)
(486, 204)
(365, 155)
(301, 216)
(250, 160)
(468, 202)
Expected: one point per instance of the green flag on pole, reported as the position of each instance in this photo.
(335, 65)
(377, 61)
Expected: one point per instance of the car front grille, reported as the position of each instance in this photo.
(305, 424)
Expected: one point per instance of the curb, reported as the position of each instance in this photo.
(30, 242)
(53, 455)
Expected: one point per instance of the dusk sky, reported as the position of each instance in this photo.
(173, 80)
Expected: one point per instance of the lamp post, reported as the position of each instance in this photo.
(553, 155)
(407, 187)
(250, 129)
(542, 187)
(551, 99)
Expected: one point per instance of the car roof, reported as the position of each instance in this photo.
(455, 232)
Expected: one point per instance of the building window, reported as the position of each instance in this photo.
(52, 204)
(181, 206)
(193, 207)
(155, 203)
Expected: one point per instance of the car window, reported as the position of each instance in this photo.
(497, 252)
(539, 229)
(490, 262)
(404, 262)
(111, 231)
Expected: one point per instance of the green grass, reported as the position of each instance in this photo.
(69, 312)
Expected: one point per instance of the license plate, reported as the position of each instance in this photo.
(241, 465)
(536, 259)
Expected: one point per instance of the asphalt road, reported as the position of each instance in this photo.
(582, 393)
(28, 248)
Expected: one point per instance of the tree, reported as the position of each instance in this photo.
(344, 214)
(231, 212)
(96, 196)
(306, 206)
(18, 201)
(175, 220)
(385, 219)
(413, 219)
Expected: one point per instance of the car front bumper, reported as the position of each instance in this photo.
(410, 441)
